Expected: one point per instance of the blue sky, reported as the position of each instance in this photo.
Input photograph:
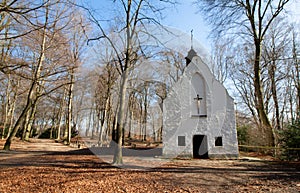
(183, 17)
(186, 18)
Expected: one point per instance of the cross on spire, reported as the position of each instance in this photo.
(192, 38)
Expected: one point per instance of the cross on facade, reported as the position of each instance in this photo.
(198, 100)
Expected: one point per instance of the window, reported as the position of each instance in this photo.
(218, 141)
(181, 140)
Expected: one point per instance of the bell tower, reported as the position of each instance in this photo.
(192, 52)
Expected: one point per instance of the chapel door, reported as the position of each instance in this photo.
(200, 147)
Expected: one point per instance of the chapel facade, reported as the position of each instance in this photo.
(199, 116)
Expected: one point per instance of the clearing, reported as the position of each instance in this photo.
(46, 166)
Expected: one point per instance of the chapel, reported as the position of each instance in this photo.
(199, 115)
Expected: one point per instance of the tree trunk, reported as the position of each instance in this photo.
(276, 105)
(130, 123)
(66, 131)
(94, 125)
(266, 127)
(31, 121)
(12, 109)
(141, 122)
(145, 113)
(272, 73)
(153, 127)
(124, 125)
(25, 123)
(274, 95)
(98, 121)
(87, 131)
(109, 125)
(6, 108)
(159, 134)
(296, 78)
(118, 159)
(16, 127)
(70, 106)
(102, 133)
(61, 114)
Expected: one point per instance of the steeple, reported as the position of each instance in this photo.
(192, 52)
(192, 36)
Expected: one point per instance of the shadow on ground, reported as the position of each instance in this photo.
(141, 152)
(82, 165)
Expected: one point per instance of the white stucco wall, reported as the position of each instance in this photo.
(179, 120)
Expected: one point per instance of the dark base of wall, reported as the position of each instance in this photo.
(210, 156)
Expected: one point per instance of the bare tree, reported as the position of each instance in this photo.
(104, 96)
(48, 68)
(31, 99)
(221, 59)
(172, 66)
(252, 20)
(133, 25)
(76, 43)
(296, 74)
(19, 12)
(276, 46)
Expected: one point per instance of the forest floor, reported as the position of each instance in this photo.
(46, 166)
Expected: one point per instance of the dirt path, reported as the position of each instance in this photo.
(36, 145)
(20, 149)
(45, 166)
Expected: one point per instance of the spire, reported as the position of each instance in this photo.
(192, 37)
(192, 52)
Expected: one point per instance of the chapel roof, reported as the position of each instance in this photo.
(192, 53)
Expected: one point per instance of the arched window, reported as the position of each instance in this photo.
(198, 94)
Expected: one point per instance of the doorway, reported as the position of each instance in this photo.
(200, 147)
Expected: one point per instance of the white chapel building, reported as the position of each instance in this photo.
(199, 116)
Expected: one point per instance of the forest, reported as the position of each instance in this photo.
(66, 72)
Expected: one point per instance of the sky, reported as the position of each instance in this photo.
(184, 18)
